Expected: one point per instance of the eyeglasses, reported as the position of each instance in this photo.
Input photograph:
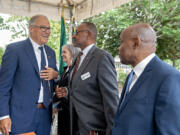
(43, 28)
(77, 31)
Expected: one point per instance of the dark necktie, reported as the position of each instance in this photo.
(76, 65)
(127, 87)
(46, 89)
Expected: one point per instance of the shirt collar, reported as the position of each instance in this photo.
(139, 68)
(34, 44)
(86, 50)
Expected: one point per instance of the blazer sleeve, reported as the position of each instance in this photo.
(55, 68)
(54, 81)
(108, 88)
(167, 110)
(7, 72)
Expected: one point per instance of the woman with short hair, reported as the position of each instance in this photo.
(69, 52)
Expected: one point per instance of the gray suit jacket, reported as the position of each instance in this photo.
(94, 91)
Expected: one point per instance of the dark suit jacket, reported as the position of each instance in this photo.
(94, 91)
(20, 84)
(153, 105)
(63, 106)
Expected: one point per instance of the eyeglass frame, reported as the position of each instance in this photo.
(42, 28)
(77, 31)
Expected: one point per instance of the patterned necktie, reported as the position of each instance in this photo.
(46, 89)
(76, 64)
(130, 79)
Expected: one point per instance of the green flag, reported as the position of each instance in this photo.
(63, 41)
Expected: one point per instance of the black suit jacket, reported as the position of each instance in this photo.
(63, 106)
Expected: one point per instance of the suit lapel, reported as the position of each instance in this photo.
(143, 77)
(49, 56)
(122, 94)
(31, 54)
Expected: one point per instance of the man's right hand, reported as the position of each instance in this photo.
(5, 126)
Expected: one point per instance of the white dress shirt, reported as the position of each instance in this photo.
(38, 58)
(139, 68)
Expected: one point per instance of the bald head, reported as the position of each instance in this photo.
(142, 31)
(138, 42)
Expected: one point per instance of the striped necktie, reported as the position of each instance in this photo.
(76, 64)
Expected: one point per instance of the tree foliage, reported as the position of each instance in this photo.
(54, 39)
(1, 22)
(17, 25)
(1, 49)
(162, 15)
(1, 54)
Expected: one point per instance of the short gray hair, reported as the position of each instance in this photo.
(34, 18)
(73, 50)
(92, 28)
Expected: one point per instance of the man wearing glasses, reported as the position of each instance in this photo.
(26, 81)
(93, 88)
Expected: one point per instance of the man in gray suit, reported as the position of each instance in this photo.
(94, 90)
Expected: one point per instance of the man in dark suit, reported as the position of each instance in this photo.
(26, 81)
(150, 103)
(94, 90)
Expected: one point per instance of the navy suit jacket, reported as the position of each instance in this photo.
(153, 105)
(20, 84)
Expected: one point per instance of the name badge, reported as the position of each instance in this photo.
(85, 76)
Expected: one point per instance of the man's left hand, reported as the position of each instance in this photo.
(48, 74)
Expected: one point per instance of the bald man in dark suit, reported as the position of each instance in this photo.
(150, 103)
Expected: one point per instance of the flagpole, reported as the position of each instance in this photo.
(70, 25)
